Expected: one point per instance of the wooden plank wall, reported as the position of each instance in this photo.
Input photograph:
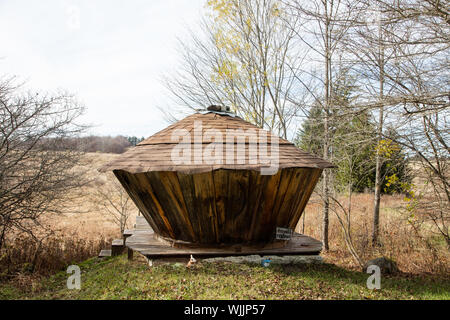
(221, 206)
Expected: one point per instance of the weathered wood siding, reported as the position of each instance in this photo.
(221, 206)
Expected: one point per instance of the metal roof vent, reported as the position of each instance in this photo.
(217, 108)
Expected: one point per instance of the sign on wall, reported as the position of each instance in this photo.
(283, 233)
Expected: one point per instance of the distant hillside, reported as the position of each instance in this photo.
(103, 144)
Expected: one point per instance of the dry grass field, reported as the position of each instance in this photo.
(85, 227)
(89, 221)
(85, 215)
(79, 232)
(399, 242)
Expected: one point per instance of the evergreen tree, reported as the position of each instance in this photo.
(310, 136)
(353, 150)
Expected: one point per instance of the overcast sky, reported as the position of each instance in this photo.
(111, 54)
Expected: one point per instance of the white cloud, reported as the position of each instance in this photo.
(110, 53)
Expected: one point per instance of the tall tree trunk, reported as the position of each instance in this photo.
(2, 234)
(378, 157)
(326, 208)
(303, 222)
(350, 194)
(326, 195)
(377, 198)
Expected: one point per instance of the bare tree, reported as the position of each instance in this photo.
(327, 23)
(34, 181)
(405, 68)
(242, 58)
(112, 199)
(368, 55)
(422, 82)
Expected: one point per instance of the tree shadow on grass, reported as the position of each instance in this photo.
(401, 284)
(396, 286)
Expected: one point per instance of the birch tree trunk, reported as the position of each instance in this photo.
(326, 195)
(378, 158)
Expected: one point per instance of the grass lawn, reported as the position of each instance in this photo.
(117, 278)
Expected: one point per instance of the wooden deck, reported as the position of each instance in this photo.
(146, 242)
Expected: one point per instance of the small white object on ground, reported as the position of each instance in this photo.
(191, 262)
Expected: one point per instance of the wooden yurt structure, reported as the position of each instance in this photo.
(207, 202)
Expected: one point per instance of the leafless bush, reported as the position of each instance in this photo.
(25, 255)
(35, 181)
(112, 199)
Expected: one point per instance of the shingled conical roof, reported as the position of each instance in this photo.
(156, 152)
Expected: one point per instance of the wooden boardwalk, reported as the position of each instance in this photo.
(145, 241)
